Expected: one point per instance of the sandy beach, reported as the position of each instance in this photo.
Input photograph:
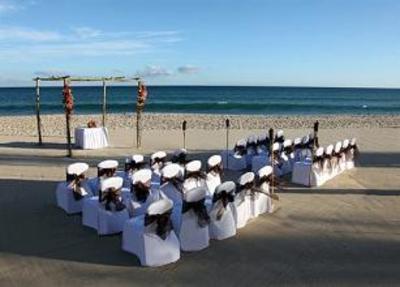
(54, 125)
(345, 233)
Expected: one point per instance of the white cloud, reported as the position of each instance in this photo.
(157, 34)
(27, 34)
(154, 71)
(6, 6)
(188, 69)
(14, 5)
(19, 43)
(87, 32)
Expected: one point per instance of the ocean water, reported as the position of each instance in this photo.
(206, 99)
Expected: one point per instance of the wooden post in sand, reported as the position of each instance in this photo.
(37, 106)
(104, 103)
(315, 139)
(184, 133)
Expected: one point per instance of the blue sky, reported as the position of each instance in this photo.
(206, 42)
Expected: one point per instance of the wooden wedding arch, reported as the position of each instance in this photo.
(69, 79)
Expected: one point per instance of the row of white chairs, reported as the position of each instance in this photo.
(253, 156)
(325, 164)
(141, 233)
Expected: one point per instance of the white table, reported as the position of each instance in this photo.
(91, 138)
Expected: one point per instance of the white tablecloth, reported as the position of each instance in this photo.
(91, 138)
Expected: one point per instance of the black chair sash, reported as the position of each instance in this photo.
(75, 182)
(133, 166)
(108, 172)
(163, 221)
(265, 179)
(180, 159)
(128, 166)
(288, 150)
(280, 139)
(141, 191)
(242, 191)
(217, 169)
(252, 145)
(198, 207)
(112, 195)
(264, 142)
(157, 160)
(319, 160)
(225, 198)
(240, 150)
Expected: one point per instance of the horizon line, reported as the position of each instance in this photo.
(213, 85)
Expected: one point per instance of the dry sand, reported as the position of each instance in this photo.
(346, 233)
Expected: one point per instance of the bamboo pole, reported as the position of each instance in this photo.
(139, 109)
(68, 118)
(104, 103)
(37, 105)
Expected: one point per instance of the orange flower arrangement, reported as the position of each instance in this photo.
(91, 124)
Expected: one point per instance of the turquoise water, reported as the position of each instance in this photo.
(205, 99)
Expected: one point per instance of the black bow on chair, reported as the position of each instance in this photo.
(75, 182)
(225, 198)
(319, 160)
(240, 150)
(112, 196)
(199, 209)
(141, 191)
(217, 169)
(163, 221)
(108, 172)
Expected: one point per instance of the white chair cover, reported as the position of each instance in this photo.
(191, 183)
(259, 161)
(191, 235)
(94, 184)
(105, 222)
(65, 198)
(156, 178)
(304, 154)
(169, 190)
(136, 208)
(350, 159)
(213, 180)
(241, 210)
(308, 174)
(342, 163)
(234, 163)
(226, 226)
(327, 169)
(261, 203)
(148, 246)
(286, 167)
(90, 212)
(111, 222)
